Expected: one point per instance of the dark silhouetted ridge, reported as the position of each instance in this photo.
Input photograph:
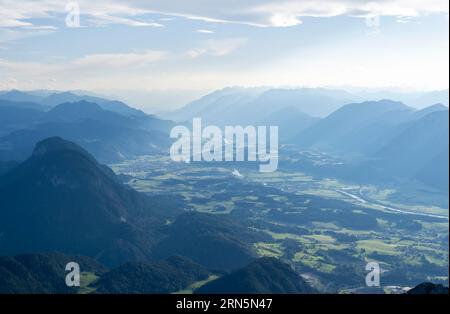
(265, 275)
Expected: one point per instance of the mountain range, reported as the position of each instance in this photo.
(109, 135)
(381, 139)
(238, 105)
(377, 133)
(45, 273)
(51, 99)
(389, 139)
(247, 106)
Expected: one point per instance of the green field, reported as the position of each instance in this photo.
(196, 285)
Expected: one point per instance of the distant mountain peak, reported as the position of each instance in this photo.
(393, 104)
(429, 110)
(14, 91)
(66, 93)
(53, 144)
(436, 107)
(17, 95)
(78, 106)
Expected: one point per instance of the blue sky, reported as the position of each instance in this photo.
(164, 53)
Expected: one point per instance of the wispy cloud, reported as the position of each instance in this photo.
(118, 60)
(266, 13)
(89, 64)
(101, 12)
(102, 64)
(204, 31)
(216, 47)
(103, 19)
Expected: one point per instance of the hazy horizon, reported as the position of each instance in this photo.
(166, 53)
(165, 101)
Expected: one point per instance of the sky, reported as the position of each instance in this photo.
(163, 53)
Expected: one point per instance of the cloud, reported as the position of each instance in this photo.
(102, 65)
(289, 13)
(112, 70)
(89, 64)
(204, 31)
(118, 60)
(216, 47)
(263, 13)
(100, 12)
(103, 19)
(12, 34)
(15, 14)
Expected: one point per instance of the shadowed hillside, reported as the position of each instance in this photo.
(266, 275)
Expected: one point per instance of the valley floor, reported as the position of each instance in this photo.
(326, 229)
